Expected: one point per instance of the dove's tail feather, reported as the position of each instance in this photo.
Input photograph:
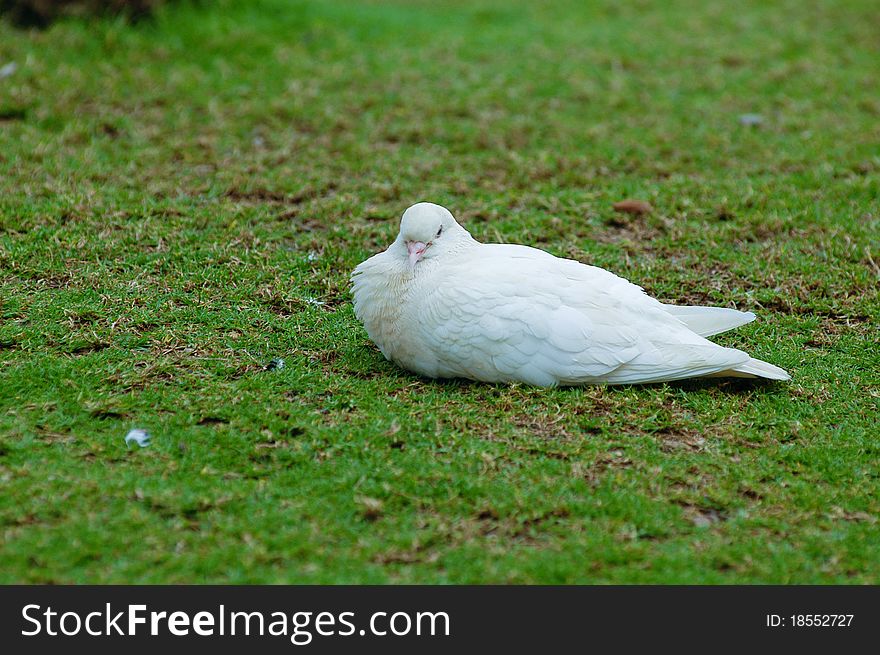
(707, 321)
(754, 368)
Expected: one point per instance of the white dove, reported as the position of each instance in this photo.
(441, 304)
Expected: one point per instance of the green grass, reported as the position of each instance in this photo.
(176, 195)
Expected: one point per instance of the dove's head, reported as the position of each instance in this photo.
(427, 230)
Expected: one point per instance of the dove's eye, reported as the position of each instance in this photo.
(440, 231)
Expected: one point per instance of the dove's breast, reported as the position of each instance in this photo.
(386, 302)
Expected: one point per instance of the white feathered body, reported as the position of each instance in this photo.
(504, 313)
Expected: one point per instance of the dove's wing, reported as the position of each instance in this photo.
(518, 313)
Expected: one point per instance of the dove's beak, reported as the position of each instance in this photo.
(415, 249)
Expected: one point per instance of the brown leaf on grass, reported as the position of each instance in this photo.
(212, 420)
(840, 513)
(631, 206)
(371, 508)
(702, 517)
